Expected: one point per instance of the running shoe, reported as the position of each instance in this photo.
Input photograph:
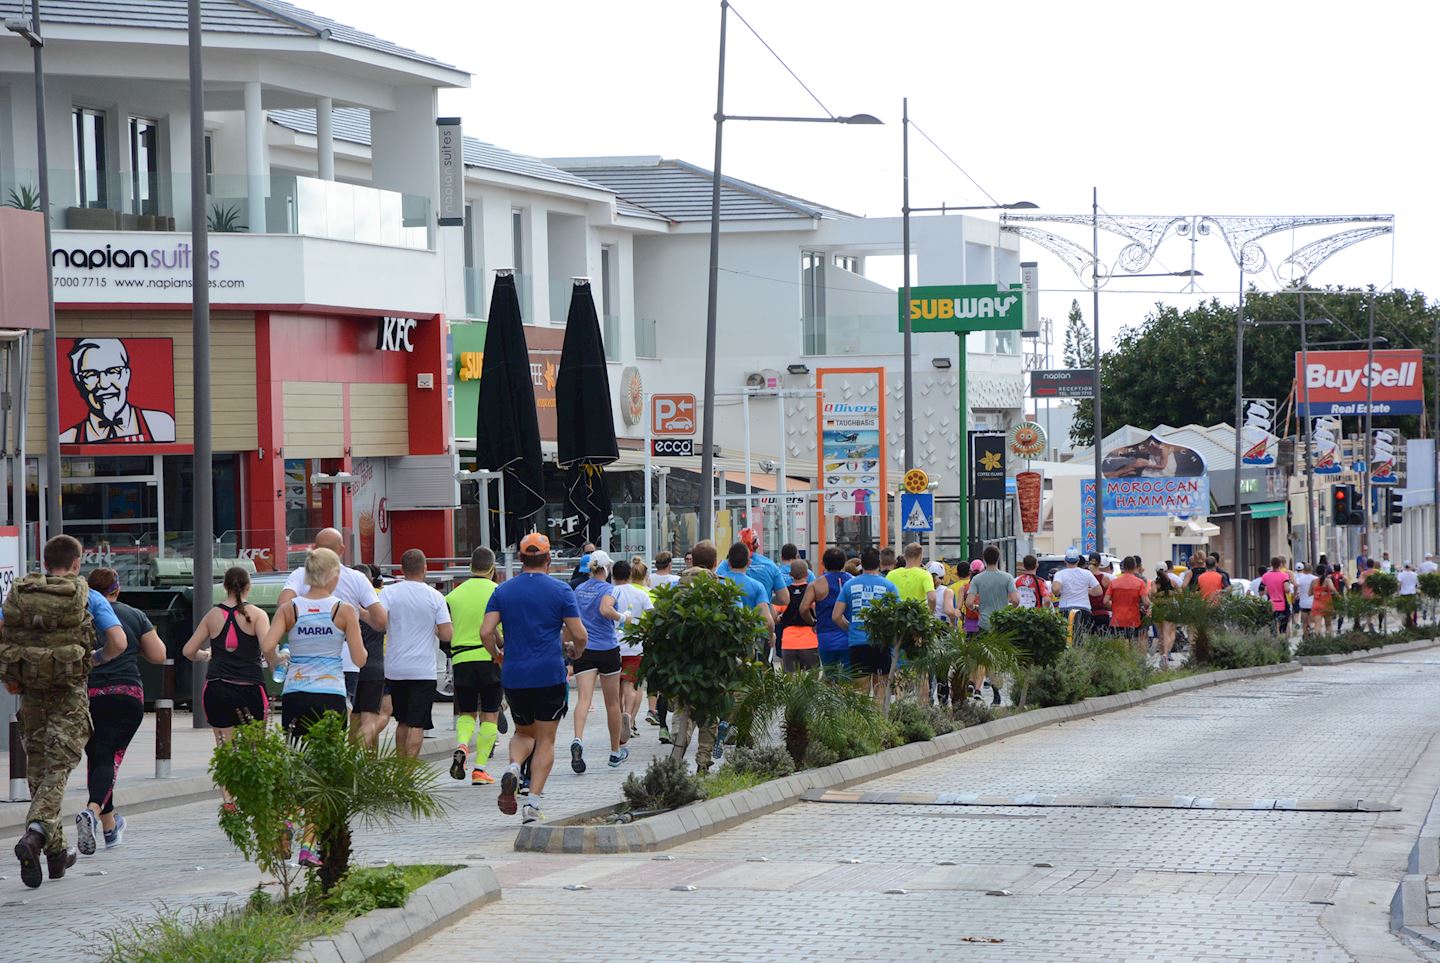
(624, 728)
(651, 718)
(717, 751)
(309, 858)
(116, 836)
(502, 723)
(577, 756)
(524, 785)
(506, 799)
(664, 736)
(634, 731)
(457, 762)
(531, 814)
(480, 777)
(618, 757)
(87, 829)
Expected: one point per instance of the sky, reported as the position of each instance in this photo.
(1264, 107)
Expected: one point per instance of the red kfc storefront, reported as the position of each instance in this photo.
(296, 393)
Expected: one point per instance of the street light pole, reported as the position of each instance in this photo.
(1314, 543)
(905, 301)
(1097, 431)
(707, 433)
(1240, 568)
(31, 33)
(203, 486)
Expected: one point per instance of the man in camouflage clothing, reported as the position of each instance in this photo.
(55, 721)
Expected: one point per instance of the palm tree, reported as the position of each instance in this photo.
(1194, 611)
(807, 707)
(955, 655)
(343, 781)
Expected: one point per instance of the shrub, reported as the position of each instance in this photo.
(955, 656)
(1430, 585)
(940, 720)
(1246, 613)
(1103, 666)
(667, 784)
(972, 712)
(769, 762)
(358, 894)
(818, 756)
(808, 707)
(1243, 651)
(905, 627)
(1062, 682)
(913, 721)
(257, 767)
(1040, 636)
(1193, 611)
(696, 641)
(1382, 584)
(724, 780)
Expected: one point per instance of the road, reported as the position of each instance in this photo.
(915, 882)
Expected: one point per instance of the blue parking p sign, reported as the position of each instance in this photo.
(917, 512)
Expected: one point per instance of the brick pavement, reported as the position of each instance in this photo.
(1111, 884)
(178, 857)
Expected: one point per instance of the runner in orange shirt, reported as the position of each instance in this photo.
(1129, 599)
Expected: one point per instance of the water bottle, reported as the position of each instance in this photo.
(281, 667)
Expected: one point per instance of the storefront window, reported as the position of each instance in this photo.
(308, 507)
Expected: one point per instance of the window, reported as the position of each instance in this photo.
(144, 166)
(91, 170)
(812, 300)
(517, 238)
(610, 316)
(848, 262)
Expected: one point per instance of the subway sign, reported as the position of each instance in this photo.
(962, 308)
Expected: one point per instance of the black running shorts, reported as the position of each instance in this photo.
(547, 703)
(606, 661)
(411, 701)
(477, 687)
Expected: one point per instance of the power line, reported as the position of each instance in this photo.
(781, 61)
(954, 163)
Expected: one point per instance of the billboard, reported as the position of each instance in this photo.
(116, 391)
(1155, 477)
(1337, 382)
(1063, 383)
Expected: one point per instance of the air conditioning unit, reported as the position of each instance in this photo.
(764, 378)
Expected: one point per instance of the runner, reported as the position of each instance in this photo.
(790, 553)
(872, 661)
(1276, 583)
(1074, 586)
(911, 579)
(662, 575)
(595, 599)
(1099, 613)
(658, 578)
(799, 645)
(942, 597)
(1164, 585)
(1033, 590)
(1409, 581)
(1323, 592)
(755, 591)
(833, 644)
(1304, 597)
(531, 625)
(990, 590)
(633, 601)
(1211, 582)
(419, 620)
(582, 568)
(1129, 600)
(234, 690)
(117, 707)
(370, 706)
(352, 587)
(477, 675)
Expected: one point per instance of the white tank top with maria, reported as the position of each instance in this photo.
(316, 643)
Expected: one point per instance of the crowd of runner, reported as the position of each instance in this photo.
(346, 640)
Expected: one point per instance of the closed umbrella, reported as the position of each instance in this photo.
(507, 429)
(585, 439)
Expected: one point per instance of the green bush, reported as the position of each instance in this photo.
(818, 756)
(1103, 666)
(358, 894)
(724, 780)
(940, 720)
(1062, 682)
(1233, 651)
(807, 707)
(696, 639)
(1382, 584)
(905, 627)
(667, 784)
(913, 721)
(972, 712)
(1246, 613)
(1040, 634)
(768, 762)
(1193, 611)
(1430, 585)
(258, 767)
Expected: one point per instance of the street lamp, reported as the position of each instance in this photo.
(30, 31)
(962, 442)
(1098, 430)
(707, 436)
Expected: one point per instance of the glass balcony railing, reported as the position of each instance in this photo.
(610, 332)
(858, 334)
(480, 282)
(285, 204)
(645, 340)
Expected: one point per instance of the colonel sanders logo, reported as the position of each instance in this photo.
(101, 370)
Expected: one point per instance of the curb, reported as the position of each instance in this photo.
(150, 795)
(1410, 907)
(1357, 656)
(384, 934)
(716, 815)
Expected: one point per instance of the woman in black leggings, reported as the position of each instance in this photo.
(117, 706)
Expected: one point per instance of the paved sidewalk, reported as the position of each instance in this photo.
(836, 882)
(178, 857)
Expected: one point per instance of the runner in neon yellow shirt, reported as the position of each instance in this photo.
(477, 675)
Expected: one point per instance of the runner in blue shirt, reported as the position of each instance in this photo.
(761, 569)
(737, 564)
(820, 599)
(855, 596)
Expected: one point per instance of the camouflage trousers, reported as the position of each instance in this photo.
(54, 727)
(681, 728)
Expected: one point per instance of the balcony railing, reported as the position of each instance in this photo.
(291, 204)
(645, 339)
(479, 283)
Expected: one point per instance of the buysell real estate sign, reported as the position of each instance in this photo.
(1338, 383)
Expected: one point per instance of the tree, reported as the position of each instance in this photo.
(1079, 352)
(1177, 367)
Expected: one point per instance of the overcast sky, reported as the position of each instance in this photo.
(1225, 107)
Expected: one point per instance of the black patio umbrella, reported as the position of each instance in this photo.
(586, 430)
(507, 428)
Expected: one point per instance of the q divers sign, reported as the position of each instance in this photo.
(1339, 383)
(964, 307)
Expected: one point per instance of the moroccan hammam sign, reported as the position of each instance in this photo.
(965, 307)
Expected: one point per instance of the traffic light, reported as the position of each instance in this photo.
(1394, 511)
(1344, 506)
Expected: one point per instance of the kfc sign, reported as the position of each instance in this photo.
(116, 391)
(393, 334)
(1338, 383)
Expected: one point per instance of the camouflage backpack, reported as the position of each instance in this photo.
(48, 634)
